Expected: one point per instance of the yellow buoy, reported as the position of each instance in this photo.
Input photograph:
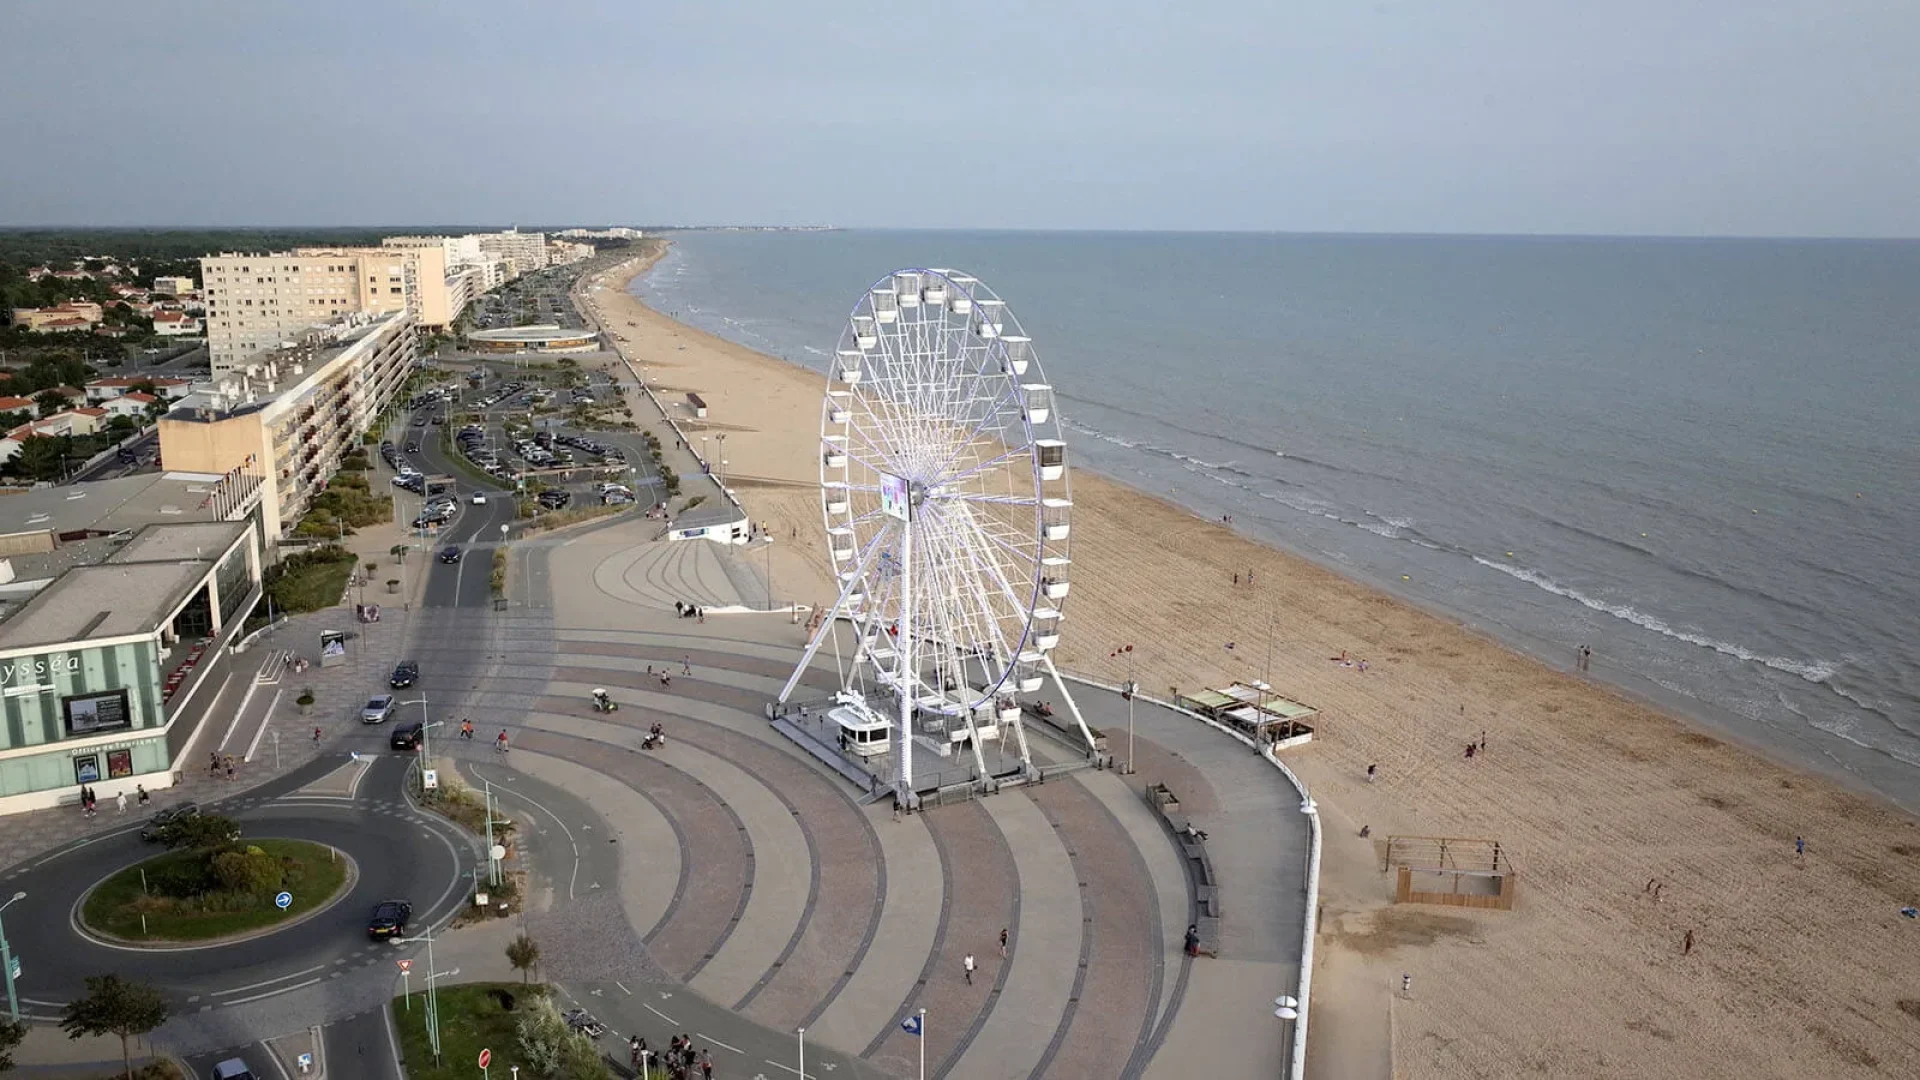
(1509, 554)
(1643, 536)
(1406, 577)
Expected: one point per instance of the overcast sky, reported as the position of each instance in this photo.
(1717, 117)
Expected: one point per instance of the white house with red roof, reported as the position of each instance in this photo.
(100, 391)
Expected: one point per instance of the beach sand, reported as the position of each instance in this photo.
(1801, 966)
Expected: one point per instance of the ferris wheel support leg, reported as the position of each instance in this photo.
(1067, 696)
(979, 756)
(909, 675)
(825, 631)
(1026, 755)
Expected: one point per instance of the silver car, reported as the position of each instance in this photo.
(377, 709)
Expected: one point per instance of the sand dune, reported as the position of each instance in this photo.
(1801, 966)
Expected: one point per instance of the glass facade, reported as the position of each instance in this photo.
(68, 694)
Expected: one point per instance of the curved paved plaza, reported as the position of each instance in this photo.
(747, 877)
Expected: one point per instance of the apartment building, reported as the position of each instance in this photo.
(294, 413)
(173, 286)
(526, 252)
(258, 302)
(562, 252)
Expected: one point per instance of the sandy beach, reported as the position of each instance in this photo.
(1632, 829)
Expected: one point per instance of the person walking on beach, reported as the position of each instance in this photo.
(1406, 984)
(1372, 772)
(966, 967)
(1483, 740)
(1236, 577)
(1800, 846)
(1686, 944)
(1586, 658)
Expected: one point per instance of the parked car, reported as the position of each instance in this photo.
(389, 919)
(377, 709)
(406, 737)
(232, 1069)
(151, 831)
(405, 674)
(450, 554)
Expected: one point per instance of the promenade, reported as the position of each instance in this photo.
(729, 873)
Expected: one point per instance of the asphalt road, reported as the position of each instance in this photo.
(393, 859)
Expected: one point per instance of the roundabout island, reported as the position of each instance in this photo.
(209, 895)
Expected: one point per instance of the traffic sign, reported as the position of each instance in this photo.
(283, 901)
(304, 1061)
(405, 966)
(486, 1058)
(13, 970)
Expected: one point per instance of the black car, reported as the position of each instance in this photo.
(389, 919)
(419, 421)
(413, 448)
(161, 820)
(405, 673)
(406, 737)
(449, 554)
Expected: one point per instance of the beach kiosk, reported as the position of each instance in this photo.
(1254, 709)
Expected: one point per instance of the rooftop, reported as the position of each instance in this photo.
(531, 334)
(113, 505)
(138, 586)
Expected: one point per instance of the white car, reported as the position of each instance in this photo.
(479, 498)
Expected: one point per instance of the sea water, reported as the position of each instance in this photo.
(1701, 458)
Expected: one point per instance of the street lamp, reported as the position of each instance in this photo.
(433, 999)
(1288, 1012)
(803, 1053)
(6, 960)
(1128, 691)
(426, 745)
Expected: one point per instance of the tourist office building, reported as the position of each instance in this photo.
(107, 671)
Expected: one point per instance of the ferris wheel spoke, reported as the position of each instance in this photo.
(1010, 455)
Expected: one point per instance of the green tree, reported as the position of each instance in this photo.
(50, 402)
(523, 953)
(122, 427)
(199, 831)
(114, 1006)
(12, 1032)
(250, 871)
(41, 457)
(13, 419)
(157, 408)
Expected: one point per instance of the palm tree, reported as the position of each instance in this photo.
(523, 954)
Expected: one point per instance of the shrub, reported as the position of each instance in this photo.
(250, 871)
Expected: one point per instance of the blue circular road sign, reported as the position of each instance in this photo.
(283, 901)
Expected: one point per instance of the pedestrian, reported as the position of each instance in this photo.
(634, 1046)
(702, 613)
(229, 767)
(1236, 577)
(1800, 846)
(1372, 772)
(213, 763)
(1483, 740)
(466, 729)
(1469, 751)
(144, 797)
(706, 1064)
(967, 965)
(679, 607)
(686, 664)
(1003, 943)
(1406, 984)
(1249, 577)
(120, 802)
(1686, 944)
(1649, 886)
(500, 744)
(1192, 940)
(316, 735)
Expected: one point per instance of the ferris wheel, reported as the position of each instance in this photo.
(947, 507)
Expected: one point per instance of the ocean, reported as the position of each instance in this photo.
(1701, 458)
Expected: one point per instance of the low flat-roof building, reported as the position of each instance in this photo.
(109, 668)
(544, 338)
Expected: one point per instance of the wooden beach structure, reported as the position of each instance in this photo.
(1254, 709)
(1454, 871)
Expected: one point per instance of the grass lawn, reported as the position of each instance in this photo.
(470, 1020)
(115, 907)
(305, 583)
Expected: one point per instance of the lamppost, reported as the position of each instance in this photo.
(1128, 691)
(722, 439)
(426, 745)
(1288, 1012)
(6, 959)
(803, 1053)
(433, 999)
(769, 539)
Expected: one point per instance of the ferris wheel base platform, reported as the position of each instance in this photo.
(938, 778)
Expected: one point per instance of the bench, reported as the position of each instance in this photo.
(1199, 866)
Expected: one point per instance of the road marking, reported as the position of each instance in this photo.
(718, 1043)
(789, 1068)
(623, 987)
(275, 1058)
(271, 993)
(571, 878)
(265, 982)
(658, 1013)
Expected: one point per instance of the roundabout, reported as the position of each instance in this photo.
(386, 850)
(181, 899)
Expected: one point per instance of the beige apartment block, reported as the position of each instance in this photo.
(526, 252)
(292, 414)
(259, 302)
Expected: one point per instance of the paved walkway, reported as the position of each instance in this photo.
(748, 875)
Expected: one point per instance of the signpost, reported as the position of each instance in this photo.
(486, 1059)
(283, 901)
(305, 1061)
(406, 981)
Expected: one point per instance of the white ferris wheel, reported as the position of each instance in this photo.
(944, 489)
